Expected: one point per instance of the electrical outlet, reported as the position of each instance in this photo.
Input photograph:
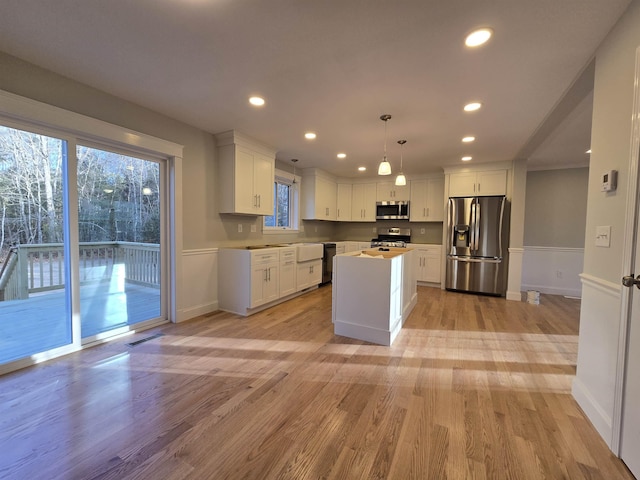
(253, 228)
(558, 273)
(316, 229)
(422, 230)
(374, 230)
(239, 228)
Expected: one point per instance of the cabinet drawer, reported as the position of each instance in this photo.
(261, 257)
(287, 254)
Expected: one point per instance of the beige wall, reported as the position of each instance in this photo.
(365, 231)
(610, 142)
(600, 316)
(556, 208)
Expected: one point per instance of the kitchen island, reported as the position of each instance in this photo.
(373, 293)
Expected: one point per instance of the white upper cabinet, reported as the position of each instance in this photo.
(427, 200)
(343, 213)
(388, 191)
(245, 175)
(480, 183)
(363, 202)
(319, 196)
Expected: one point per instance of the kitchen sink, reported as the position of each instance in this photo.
(308, 251)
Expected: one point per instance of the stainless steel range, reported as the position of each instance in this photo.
(392, 237)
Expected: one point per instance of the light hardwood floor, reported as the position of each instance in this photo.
(474, 387)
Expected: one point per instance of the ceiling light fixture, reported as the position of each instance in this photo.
(468, 139)
(472, 107)
(401, 179)
(294, 160)
(588, 151)
(478, 37)
(362, 169)
(341, 155)
(466, 159)
(257, 101)
(310, 136)
(385, 167)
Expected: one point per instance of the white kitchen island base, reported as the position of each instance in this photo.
(372, 297)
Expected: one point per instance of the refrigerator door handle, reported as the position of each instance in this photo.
(476, 225)
(474, 260)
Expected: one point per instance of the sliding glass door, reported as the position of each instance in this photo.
(34, 310)
(74, 275)
(119, 221)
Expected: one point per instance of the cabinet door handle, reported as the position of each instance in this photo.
(424, 212)
(478, 187)
(427, 212)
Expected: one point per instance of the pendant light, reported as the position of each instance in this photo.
(401, 179)
(294, 160)
(385, 167)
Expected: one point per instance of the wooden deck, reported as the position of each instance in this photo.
(474, 387)
(41, 323)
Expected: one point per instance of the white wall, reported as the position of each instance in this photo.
(554, 270)
(610, 145)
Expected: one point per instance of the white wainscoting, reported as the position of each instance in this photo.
(554, 270)
(200, 282)
(595, 382)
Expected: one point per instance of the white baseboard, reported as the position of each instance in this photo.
(571, 292)
(598, 417)
(197, 310)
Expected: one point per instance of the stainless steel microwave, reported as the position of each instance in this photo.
(392, 210)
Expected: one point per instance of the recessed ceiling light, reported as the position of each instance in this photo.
(341, 155)
(309, 135)
(478, 37)
(588, 151)
(257, 101)
(472, 107)
(466, 159)
(362, 169)
(468, 139)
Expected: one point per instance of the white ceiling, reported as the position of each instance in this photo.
(335, 66)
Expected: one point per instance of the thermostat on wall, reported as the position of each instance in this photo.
(609, 181)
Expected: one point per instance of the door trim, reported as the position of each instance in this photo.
(628, 260)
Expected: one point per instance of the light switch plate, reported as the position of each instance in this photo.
(603, 236)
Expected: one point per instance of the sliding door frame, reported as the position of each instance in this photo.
(23, 113)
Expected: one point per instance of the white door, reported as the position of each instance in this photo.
(630, 442)
(630, 425)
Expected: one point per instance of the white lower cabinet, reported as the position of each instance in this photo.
(264, 284)
(287, 271)
(427, 263)
(308, 274)
(249, 279)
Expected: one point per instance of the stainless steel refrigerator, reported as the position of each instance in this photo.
(476, 245)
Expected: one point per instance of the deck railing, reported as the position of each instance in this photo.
(38, 268)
